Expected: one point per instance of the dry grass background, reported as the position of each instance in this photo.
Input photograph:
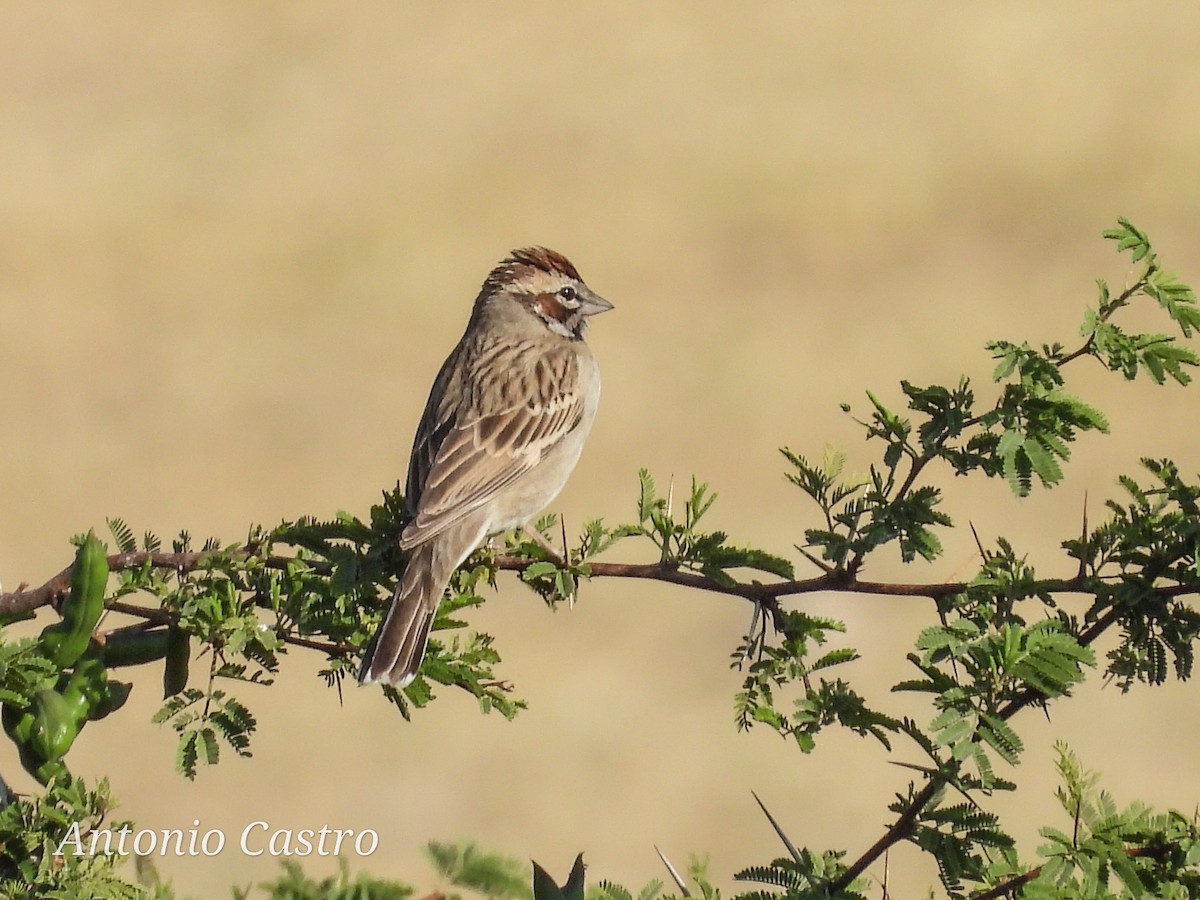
(237, 241)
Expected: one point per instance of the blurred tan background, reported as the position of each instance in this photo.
(238, 240)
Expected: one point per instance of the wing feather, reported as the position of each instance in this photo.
(472, 451)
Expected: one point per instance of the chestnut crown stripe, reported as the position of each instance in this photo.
(520, 262)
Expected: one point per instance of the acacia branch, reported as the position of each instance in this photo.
(155, 617)
(757, 592)
(29, 599)
(26, 600)
(902, 828)
(1119, 301)
(1009, 888)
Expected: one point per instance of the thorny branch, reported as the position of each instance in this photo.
(26, 600)
(1010, 887)
(902, 828)
(29, 599)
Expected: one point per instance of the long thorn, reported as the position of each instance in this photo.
(791, 848)
(566, 555)
(816, 560)
(978, 543)
(675, 876)
(1083, 540)
(666, 538)
(751, 639)
(934, 773)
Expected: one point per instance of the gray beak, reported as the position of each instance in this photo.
(591, 304)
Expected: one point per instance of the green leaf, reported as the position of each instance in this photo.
(998, 735)
(647, 501)
(1043, 463)
(122, 535)
(537, 570)
(186, 754)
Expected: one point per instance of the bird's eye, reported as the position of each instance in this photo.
(567, 293)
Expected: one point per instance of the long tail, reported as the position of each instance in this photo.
(395, 654)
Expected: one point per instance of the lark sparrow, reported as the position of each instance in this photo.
(503, 428)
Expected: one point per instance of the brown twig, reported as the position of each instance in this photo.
(320, 646)
(161, 617)
(1009, 888)
(30, 599)
(26, 600)
(1114, 304)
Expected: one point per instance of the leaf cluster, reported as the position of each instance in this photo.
(770, 665)
(294, 884)
(683, 545)
(1004, 641)
(1142, 561)
(32, 828)
(1108, 851)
